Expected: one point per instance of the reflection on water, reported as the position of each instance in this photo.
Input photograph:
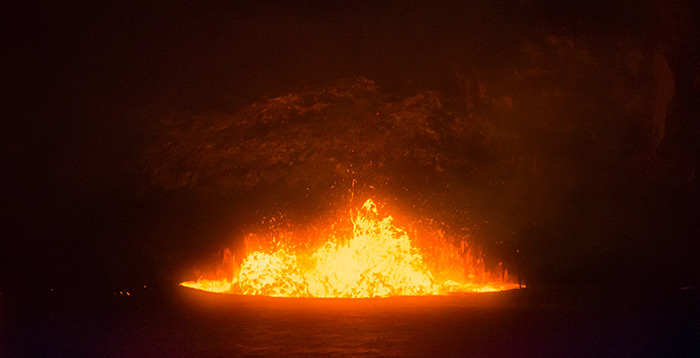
(530, 322)
(465, 325)
(401, 327)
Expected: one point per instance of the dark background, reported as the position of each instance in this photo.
(86, 86)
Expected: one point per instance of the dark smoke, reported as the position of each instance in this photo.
(547, 161)
(141, 140)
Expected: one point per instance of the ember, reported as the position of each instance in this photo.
(375, 259)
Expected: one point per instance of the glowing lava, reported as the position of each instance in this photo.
(377, 260)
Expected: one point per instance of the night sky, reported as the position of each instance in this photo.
(586, 114)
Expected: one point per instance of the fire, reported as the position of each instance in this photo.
(377, 259)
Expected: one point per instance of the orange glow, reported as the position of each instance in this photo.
(374, 259)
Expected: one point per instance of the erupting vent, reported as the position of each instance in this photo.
(375, 259)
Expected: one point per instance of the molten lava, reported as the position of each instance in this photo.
(377, 259)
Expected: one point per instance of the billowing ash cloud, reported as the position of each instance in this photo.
(550, 150)
(317, 142)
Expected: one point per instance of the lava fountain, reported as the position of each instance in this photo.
(374, 258)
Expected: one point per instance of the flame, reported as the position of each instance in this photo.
(377, 260)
